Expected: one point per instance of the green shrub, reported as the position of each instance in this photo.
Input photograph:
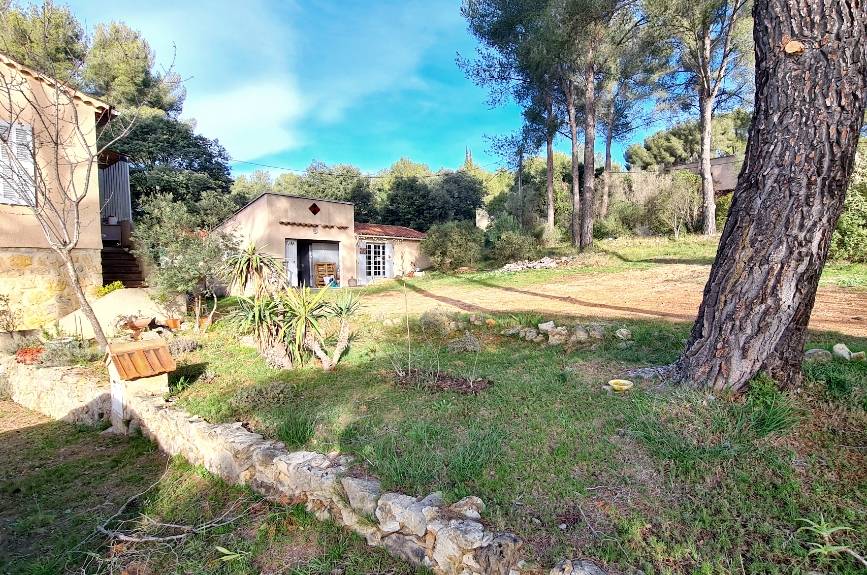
(108, 288)
(514, 246)
(453, 245)
(723, 205)
(181, 345)
(502, 223)
(623, 219)
(436, 320)
(849, 241)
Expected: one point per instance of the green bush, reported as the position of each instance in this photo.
(453, 245)
(514, 246)
(68, 352)
(723, 205)
(108, 288)
(849, 241)
(623, 219)
(503, 222)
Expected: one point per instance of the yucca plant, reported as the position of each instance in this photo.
(265, 318)
(306, 311)
(342, 309)
(252, 266)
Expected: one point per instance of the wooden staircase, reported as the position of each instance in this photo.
(118, 264)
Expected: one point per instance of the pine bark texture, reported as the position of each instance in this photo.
(606, 176)
(811, 79)
(587, 192)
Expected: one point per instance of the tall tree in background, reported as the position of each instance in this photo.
(45, 37)
(811, 85)
(710, 40)
(628, 83)
(120, 69)
(518, 59)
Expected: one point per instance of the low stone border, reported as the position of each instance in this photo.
(450, 540)
(71, 394)
(422, 531)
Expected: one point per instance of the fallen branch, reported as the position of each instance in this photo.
(185, 530)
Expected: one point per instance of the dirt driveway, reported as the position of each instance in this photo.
(671, 292)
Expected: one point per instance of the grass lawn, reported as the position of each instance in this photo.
(668, 481)
(59, 481)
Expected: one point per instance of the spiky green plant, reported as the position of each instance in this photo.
(252, 266)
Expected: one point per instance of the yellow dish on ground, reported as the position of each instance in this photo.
(620, 384)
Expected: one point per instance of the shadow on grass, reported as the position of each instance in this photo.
(470, 307)
(692, 260)
(58, 482)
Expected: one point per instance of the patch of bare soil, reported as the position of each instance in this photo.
(442, 381)
(670, 292)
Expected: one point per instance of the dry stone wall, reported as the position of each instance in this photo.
(423, 531)
(38, 287)
(450, 540)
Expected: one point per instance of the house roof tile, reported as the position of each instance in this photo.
(386, 231)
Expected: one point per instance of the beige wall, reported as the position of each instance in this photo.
(273, 218)
(18, 225)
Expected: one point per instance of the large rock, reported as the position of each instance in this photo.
(470, 507)
(404, 548)
(841, 351)
(454, 540)
(623, 334)
(362, 494)
(500, 556)
(580, 334)
(818, 355)
(546, 327)
(858, 356)
(398, 512)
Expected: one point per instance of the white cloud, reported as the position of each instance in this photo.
(251, 120)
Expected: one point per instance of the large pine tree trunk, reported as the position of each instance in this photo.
(569, 93)
(707, 193)
(811, 81)
(587, 200)
(549, 165)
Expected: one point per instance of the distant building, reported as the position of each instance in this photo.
(319, 239)
(724, 169)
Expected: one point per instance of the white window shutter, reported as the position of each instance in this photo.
(25, 169)
(389, 259)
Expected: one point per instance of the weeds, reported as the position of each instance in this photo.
(824, 546)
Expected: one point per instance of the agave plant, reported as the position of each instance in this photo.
(264, 317)
(252, 266)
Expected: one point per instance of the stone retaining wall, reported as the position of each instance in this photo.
(423, 531)
(71, 394)
(37, 285)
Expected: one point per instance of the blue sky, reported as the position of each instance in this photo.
(287, 82)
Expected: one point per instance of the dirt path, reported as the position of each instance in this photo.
(671, 292)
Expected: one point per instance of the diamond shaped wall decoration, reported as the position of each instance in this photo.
(314, 209)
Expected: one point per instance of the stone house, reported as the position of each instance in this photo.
(55, 149)
(320, 239)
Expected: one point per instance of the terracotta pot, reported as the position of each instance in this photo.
(173, 323)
